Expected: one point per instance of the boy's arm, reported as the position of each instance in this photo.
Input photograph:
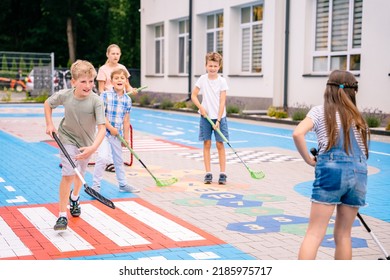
(50, 128)
(194, 98)
(222, 104)
(126, 127)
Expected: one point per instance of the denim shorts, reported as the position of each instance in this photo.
(205, 130)
(67, 169)
(340, 179)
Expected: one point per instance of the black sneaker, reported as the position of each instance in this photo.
(222, 179)
(208, 178)
(61, 224)
(75, 209)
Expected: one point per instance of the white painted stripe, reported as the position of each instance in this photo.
(44, 220)
(167, 227)
(159, 149)
(10, 243)
(112, 229)
(9, 188)
(1, 180)
(17, 199)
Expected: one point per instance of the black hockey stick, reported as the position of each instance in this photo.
(87, 188)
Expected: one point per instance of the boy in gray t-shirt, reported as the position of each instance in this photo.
(84, 110)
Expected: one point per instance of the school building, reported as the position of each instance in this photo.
(276, 52)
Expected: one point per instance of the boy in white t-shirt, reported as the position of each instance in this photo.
(213, 88)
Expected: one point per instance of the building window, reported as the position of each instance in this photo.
(214, 33)
(159, 49)
(338, 34)
(183, 46)
(251, 39)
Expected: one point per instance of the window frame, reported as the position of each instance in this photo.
(183, 47)
(328, 54)
(159, 39)
(244, 27)
(215, 31)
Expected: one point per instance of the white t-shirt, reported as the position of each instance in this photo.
(211, 94)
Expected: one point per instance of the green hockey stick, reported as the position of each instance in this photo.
(138, 89)
(254, 174)
(159, 182)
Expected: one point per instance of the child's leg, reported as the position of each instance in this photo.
(102, 159)
(116, 150)
(221, 156)
(318, 223)
(65, 184)
(345, 217)
(206, 155)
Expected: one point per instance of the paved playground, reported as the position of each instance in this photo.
(246, 219)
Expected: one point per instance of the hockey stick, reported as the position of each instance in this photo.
(159, 182)
(138, 89)
(387, 257)
(254, 174)
(314, 152)
(87, 188)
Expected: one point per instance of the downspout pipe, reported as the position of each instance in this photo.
(286, 59)
(189, 51)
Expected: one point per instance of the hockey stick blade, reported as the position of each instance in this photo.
(99, 197)
(165, 182)
(159, 182)
(254, 174)
(87, 189)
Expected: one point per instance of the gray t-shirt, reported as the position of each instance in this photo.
(78, 127)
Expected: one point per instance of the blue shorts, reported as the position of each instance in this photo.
(205, 130)
(340, 179)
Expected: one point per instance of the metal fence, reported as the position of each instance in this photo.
(34, 72)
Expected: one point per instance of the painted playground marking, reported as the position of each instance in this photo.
(256, 156)
(26, 232)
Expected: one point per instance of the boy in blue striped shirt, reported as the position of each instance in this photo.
(117, 105)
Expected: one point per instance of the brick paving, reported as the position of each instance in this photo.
(247, 218)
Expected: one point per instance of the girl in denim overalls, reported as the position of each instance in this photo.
(340, 168)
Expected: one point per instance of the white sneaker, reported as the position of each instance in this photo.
(128, 188)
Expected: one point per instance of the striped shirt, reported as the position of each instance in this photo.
(317, 115)
(116, 107)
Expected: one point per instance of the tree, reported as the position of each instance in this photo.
(72, 29)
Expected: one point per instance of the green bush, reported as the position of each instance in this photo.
(271, 111)
(166, 104)
(41, 98)
(280, 114)
(298, 115)
(373, 121)
(180, 105)
(232, 109)
(144, 100)
(373, 117)
(299, 112)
